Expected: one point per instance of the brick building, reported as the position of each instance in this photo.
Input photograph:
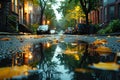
(108, 10)
(8, 15)
(13, 13)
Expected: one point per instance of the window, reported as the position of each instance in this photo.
(105, 14)
(112, 12)
(15, 6)
(119, 11)
(0, 5)
(105, 2)
(111, 1)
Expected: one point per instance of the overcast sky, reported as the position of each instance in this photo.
(55, 7)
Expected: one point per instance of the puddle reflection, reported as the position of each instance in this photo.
(66, 61)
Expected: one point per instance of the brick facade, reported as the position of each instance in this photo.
(109, 10)
(8, 17)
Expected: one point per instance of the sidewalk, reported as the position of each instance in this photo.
(7, 33)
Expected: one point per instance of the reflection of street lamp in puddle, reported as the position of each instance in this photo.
(29, 56)
(48, 44)
(74, 44)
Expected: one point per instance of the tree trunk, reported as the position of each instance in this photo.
(41, 17)
(87, 22)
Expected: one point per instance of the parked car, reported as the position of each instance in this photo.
(43, 29)
(52, 31)
(68, 30)
(86, 29)
(82, 28)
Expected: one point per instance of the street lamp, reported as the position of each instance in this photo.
(48, 22)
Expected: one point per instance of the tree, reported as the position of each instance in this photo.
(42, 4)
(71, 12)
(87, 6)
(75, 13)
(49, 15)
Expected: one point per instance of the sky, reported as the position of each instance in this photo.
(55, 7)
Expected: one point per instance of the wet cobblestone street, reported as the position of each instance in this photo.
(55, 56)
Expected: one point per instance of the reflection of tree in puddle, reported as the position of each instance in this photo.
(49, 67)
(106, 68)
(70, 62)
(104, 52)
(99, 46)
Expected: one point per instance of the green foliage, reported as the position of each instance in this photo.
(34, 27)
(65, 6)
(71, 12)
(113, 26)
(101, 31)
(96, 28)
(87, 6)
(44, 5)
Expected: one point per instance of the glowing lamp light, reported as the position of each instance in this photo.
(48, 22)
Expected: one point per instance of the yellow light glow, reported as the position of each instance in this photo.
(26, 55)
(30, 56)
(30, 8)
(77, 57)
(107, 65)
(48, 44)
(43, 22)
(74, 44)
(48, 22)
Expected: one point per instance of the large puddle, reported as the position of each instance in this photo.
(54, 60)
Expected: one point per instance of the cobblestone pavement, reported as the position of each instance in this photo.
(113, 41)
(15, 43)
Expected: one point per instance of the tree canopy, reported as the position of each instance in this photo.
(87, 6)
(72, 12)
(43, 5)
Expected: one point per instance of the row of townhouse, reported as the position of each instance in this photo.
(107, 11)
(16, 14)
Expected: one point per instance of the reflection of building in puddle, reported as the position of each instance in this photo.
(27, 53)
(37, 52)
(33, 53)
